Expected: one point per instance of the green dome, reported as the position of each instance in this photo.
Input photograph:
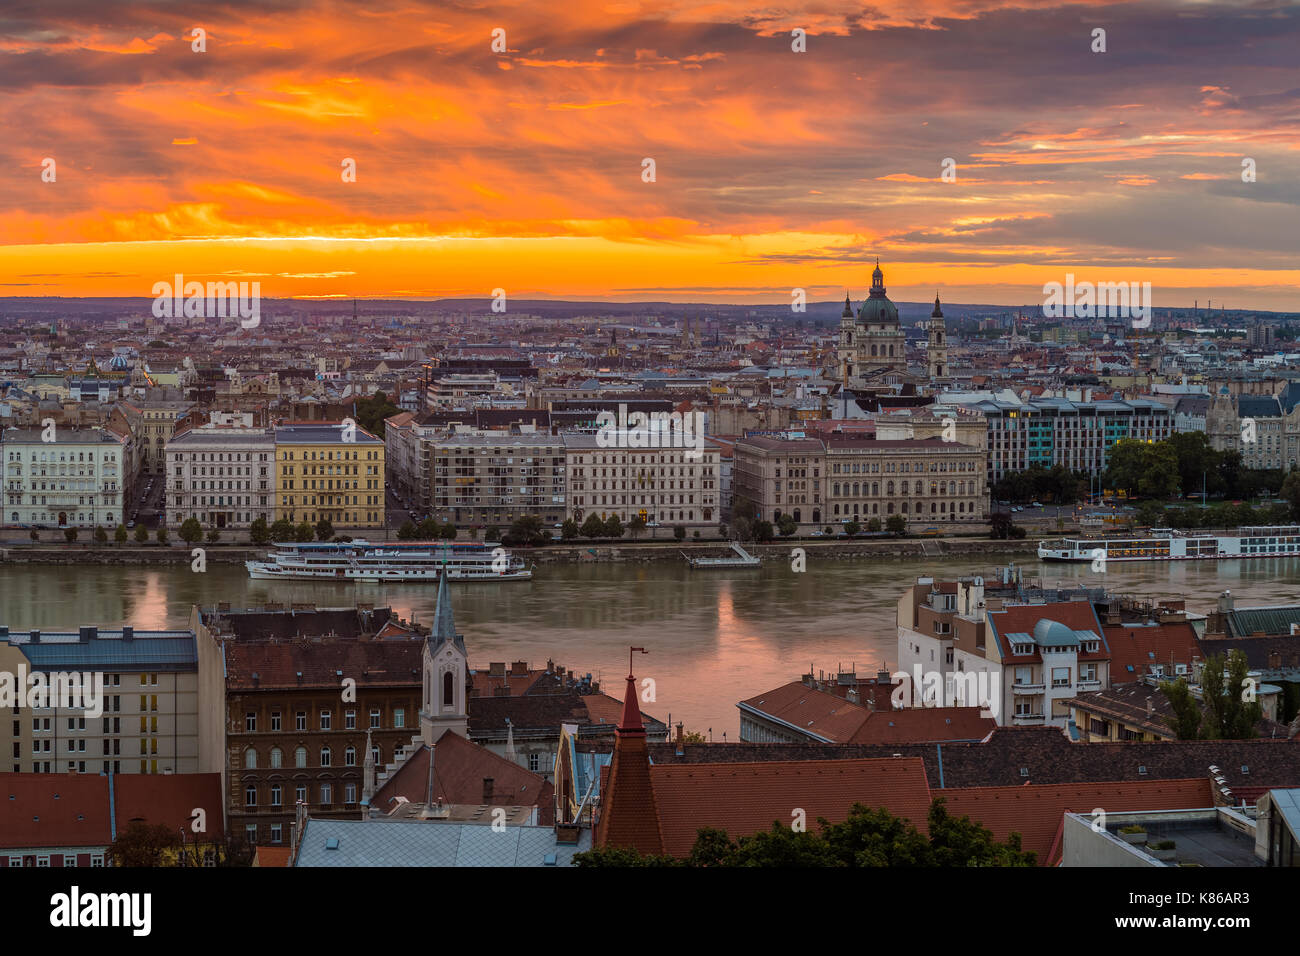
(878, 308)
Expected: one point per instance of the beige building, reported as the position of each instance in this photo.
(494, 478)
(160, 709)
(223, 476)
(661, 485)
(1257, 426)
(843, 478)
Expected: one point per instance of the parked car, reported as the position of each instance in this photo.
(1035, 504)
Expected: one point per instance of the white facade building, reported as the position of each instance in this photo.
(63, 477)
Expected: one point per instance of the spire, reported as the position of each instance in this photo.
(444, 625)
(630, 724)
(368, 770)
(877, 282)
(848, 307)
(938, 312)
(629, 815)
(510, 742)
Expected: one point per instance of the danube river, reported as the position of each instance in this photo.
(715, 637)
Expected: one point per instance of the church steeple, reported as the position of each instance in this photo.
(446, 674)
(848, 307)
(629, 815)
(936, 352)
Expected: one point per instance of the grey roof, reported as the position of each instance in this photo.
(107, 650)
(389, 843)
(1258, 406)
(1272, 620)
(320, 435)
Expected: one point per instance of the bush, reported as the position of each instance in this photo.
(141, 534)
(191, 531)
(101, 535)
(679, 532)
(874, 525)
(119, 535)
(163, 537)
(493, 533)
(213, 536)
(852, 528)
(70, 534)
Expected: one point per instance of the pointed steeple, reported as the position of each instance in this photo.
(848, 307)
(938, 312)
(510, 742)
(629, 815)
(368, 770)
(444, 625)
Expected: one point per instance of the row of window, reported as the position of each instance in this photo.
(300, 757)
(326, 720)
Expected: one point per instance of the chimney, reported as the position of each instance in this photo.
(487, 789)
(1151, 707)
(128, 632)
(681, 740)
(88, 634)
(35, 636)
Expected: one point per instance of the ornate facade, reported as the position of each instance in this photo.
(873, 341)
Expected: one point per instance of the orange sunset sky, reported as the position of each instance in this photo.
(774, 169)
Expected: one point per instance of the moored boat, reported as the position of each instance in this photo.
(361, 560)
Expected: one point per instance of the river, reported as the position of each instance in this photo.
(714, 637)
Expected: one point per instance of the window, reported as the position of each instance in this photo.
(250, 795)
(350, 793)
(96, 859)
(399, 718)
(374, 716)
(350, 720)
(300, 757)
(325, 717)
(534, 762)
(275, 833)
(250, 758)
(326, 794)
(350, 757)
(250, 831)
(69, 860)
(275, 720)
(300, 793)
(275, 758)
(324, 756)
(1060, 677)
(250, 722)
(275, 794)
(301, 720)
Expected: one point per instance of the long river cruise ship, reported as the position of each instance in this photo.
(361, 560)
(1249, 542)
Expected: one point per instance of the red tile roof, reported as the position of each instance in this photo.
(387, 663)
(629, 815)
(1134, 644)
(924, 725)
(42, 810)
(746, 798)
(170, 799)
(1037, 811)
(459, 769)
(812, 711)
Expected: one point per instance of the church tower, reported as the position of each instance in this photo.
(846, 346)
(446, 674)
(937, 351)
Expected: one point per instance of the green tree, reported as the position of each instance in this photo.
(1187, 718)
(679, 532)
(613, 527)
(1227, 716)
(283, 530)
(896, 525)
(141, 844)
(304, 532)
(1151, 514)
(324, 529)
(163, 537)
(1291, 492)
(407, 531)
(527, 530)
(191, 531)
(963, 842)
(447, 532)
(427, 530)
(787, 525)
(852, 528)
(259, 532)
(70, 534)
(492, 533)
(593, 527)
(370, 413)
(120, 535)
(763, 531)
(101, 535)
(569, 530)
(34, 535)
(141, 534)
(873, 525)
(214, 535)
(636, 526)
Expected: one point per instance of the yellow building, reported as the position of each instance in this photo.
(328, 471)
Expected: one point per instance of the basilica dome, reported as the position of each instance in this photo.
(878, 309)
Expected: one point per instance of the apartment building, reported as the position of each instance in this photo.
(845, 478)
(494, 478)
(1261, 427)
(62, 477)
(1024, 662)
(158, 422)
(663, 485)
(1076, 435)
(326, 471)
(223, 476)
(158, 713)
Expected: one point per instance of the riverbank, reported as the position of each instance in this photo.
(616, 552)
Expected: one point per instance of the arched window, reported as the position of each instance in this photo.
(325, 757)
(448, 691)
(300, 757)
(275, 758)
(250, 796)
(855, 490)
(904, 507)
(250, 759)
(350, 757)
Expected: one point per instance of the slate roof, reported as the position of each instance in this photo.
(162, 651)
(1045, 753)
(385, 843)
(387, 663)
(1272, 621)
(349, 622)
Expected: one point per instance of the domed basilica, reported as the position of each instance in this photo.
(873, 341)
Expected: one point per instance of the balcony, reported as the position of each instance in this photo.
(1019, 688)
(1083, 685)
(1026, 719)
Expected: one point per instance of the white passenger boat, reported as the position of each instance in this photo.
(1249, 542)
(361, 560)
